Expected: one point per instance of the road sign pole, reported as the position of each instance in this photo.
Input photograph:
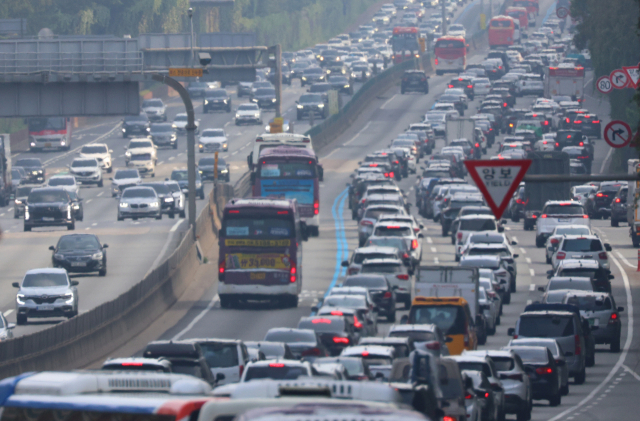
(191, 144)
(444, 18)
(215, 168)
(278, 80)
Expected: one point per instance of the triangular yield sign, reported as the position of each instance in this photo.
(634, 74)
(497, 180)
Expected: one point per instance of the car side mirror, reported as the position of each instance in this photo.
(15, 285)
(314, 309)
(515, 256)
(511, 331)
(611, 277)
(420, 235)
(105, 246)
(594, 328)
(421, 226)
(500, 229)
(110, 150)
(514, 243)
(345, 263)
(620, 309)
(568, 354)
(541, 289)
(11, 326)
(607, 246)
(111, 178)
(561, 363)
(379, 375)
(220, 377)
(75, 283)
(304, 230)
(549, 274)
(52, 248)
(404, 319)
(504, 222)
(468, 383)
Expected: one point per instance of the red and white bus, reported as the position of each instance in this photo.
(521, 14)
(502, 31)
(404, 43)
(49, 133)
(532, 6)
(450, 55)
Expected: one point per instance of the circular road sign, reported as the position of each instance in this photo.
(562, 12)
(604, 84)
(617, 134)
(619, 78)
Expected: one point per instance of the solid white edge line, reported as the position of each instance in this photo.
(7, 313)
(624, 259)
(623, 356)
(176, 225)
(196, 319)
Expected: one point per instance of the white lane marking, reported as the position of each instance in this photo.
(528, 259)
(181, 153)
(514, 238)
(434, 250)
(627, 369)
(8, 312)
(532, 287)
(523, 251)
(227, 123)
(94, 224)
(87, 229)
(366, 126)
(532, 272)
(2, 214)
(88, 201)
(436, 261)
(429, 240)
(73, 151)
(10, 209)
(604, 162)
(175, 226)
(121, 156)
(171, 158)
(507, 228)
(626, 262)
(386, 102)
(233, 153)
(529, 302)
(196, 319)
(623, 356)
(161, 162)
(100, 194)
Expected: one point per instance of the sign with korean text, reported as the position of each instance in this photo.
(497, 180)
(184, 72)
(258, 261)
(633, 72)
(256, 243)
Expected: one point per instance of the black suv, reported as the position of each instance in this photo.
(599, 204)
(311, 103)
(415, 81)
(35, 172)
(216, 99)
(619, 206)
(135, 125)
(341, 84)
(465, 83)
(568, 138)
(49, 207)
(265, 98)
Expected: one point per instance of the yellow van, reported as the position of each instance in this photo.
(451, 315)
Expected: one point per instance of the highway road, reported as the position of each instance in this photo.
(609, 390)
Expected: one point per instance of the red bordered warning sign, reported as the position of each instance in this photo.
(498, 180)
(617, 134)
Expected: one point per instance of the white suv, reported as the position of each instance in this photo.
(468, 224)
(582, 247)
(560, 231)
(556, 213)
(99, 151)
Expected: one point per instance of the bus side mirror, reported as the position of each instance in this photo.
(252, 177)
(320, 173)
(304, 230)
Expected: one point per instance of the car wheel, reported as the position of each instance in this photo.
(102, 272)
(101, 183)
(225, 302)
(16, 216)
(71, 226)
(391, 318)
(21, 319)
(110, 170)
(172, 215)
(548, 260)
(590, 360)
(615, 345)
(581, 377)
(564, 390)
(159, 217)
(201, 195)
(507, 298)
(182, 214)
(175, 145)
(614, 223)
(513, 285)
(539, 241)
(555, 400)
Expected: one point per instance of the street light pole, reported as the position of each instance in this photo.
(191, 143)
(190, 13)
(444, 17)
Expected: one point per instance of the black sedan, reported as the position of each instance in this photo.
(135, 125)
(206, 169)
(382, 294)
(80, 253)
(265, 98)
(341, 84)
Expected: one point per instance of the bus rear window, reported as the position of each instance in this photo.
(449, 43)
(288, 170)
(501, 23)
(258, 227)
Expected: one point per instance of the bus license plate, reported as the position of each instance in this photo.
(257, 275)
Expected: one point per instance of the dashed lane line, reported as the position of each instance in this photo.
(434, 250)
(175, 226)
(528, 259)
(523, 251)
(7, 313)
(532, 272)
(532, 287)
(429, 240)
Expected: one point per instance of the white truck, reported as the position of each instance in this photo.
(633, 213)
(460, 128)
(565, 80)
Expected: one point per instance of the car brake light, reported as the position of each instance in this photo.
(459, 236)
(435, 346)
(596, 121)
(613, 318)
(414, 244)
(316, 207)
(554, 241)
(365, 222)
(546, 123)
(436, 61)
(561, 255)
(276, 365)
(599, 195)
(316, 321)
(222, 267)
(403, 276)
(387, 295)
(405, 256)
(544, 215)
(603, 256)
(534, 216)
(386, 174)
(468, 396)
(312, 352)
(544, 370)
(578, 346)
(477, 145)
(585, 216)
(449, 86)
(293, 272)
(131, 364)
(617, 200)
(577, 122)
(448, 418)
(391, 174)
(356, 322)
(339, 340)
(504, 104)
(557, 145)
(396, 162)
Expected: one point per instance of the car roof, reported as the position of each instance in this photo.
(46, 270)
(426, 327)
(376, 249)
(468, 358)
(477, 216)
(547, 313)
(266, 363)
(381, 261)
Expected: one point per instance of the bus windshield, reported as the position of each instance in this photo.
(47, 123)
(254, 227)
(305, 169)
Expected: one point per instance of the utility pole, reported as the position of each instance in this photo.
(193, 57)
(191, 143)
(490, 11)
(444, 17)
(278, 84)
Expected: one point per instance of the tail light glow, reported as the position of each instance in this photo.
(339, 340)
(544, 370)
(414, 244)
(316, 207)
(292, 271)
(387, 295)
(561, 255)
(603, 256)
(578, 345)
(403, 276)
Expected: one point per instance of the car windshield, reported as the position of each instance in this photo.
(289, 336)
(23, 191)
(62, 181)
(124, 174)
(450, 319)
(311, 98)
(220, 355)
(590, 303)
(141, 157)
(47, 196)
(275, 371)
(348, 301)
(572, 231)
(46, 123)
(503, 363)
(581, 244)
(213, 133)
(159, 188)
(139, 193)
(140, 144)
(218, 93)
(43, 280)
(353, 365)
(572, 284)
(84, 163)
(374, 213)
(475, 366)
(162, 128)
(547, 326)
(152, 103)
(479, 251)
(290, 169)
(180, 117)
(398, 243)
(92, 149)
(266, 91)
(136, 119)
(563, 210)
(78, 242)
(477, 225)
(531, 355)
(180, 175)
(248, 107)
(452, 388)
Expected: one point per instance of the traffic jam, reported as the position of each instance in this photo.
(429, 316)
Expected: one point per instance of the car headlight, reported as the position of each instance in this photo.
(225, 101)
(304, 78)
(34, 172)
(97, 256)
(200, 145)
(174, 126)
(127, 154)
(224, 171)
(300, 107)
(224, 145)
(168, 199)
(320, 105)
(237, 115)
(273, 100)
(346, 86)
(154, 204)
(124, 130)
(257, 115)
(18, 202)
(68, 298)
(58, 256)
(124, 205)
(76, 207)
(206, 101)
(20, 298)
